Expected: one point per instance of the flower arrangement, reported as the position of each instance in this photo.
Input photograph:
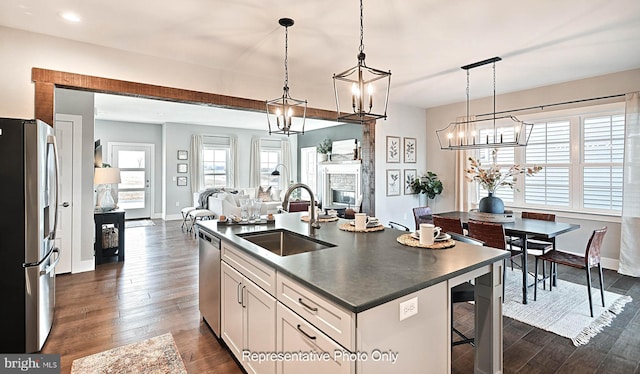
(492, 178)
(428, 184)
(325, 146)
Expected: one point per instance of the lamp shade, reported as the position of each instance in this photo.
(106, 176)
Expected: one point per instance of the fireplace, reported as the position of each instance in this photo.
(341, 183)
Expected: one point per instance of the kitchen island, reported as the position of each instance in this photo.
(390, 303)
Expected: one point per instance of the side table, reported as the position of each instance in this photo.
(116, 218)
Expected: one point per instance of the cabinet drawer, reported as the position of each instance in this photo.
(259, 273)
(334, 321)
(294, 334)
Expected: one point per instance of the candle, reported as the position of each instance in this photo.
(278, 117)
(370, 90)
(449, 136)
(354, 93)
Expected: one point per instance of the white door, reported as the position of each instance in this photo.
(134, 191)
(64, 139)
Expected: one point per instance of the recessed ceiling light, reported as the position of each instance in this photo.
(70, 16)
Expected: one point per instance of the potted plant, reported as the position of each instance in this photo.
(492, 178)
(324, 149)
(429, 185)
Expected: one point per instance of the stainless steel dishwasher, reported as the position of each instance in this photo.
(209, 280)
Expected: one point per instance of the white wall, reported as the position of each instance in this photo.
(403, 121)
(442, 162)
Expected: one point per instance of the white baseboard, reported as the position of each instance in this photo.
(83, 266)
(173, 217)
(157, 216)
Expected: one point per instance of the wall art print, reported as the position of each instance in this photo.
(393, 149)
(394, 182)
(409, 150)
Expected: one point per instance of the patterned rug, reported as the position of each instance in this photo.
(155, 355)
(564, 310)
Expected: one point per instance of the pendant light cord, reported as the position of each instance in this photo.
(286, 60)
(361, 28)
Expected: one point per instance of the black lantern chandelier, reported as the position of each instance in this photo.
(282, 110)
(357, 83)
(485, 130)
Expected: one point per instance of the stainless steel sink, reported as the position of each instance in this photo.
(284, 243)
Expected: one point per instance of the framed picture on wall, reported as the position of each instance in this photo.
(183, 155)
(182, 181)
(393, 149)
(409, 176)
(393, 182)
(410, 150)
(183, 168)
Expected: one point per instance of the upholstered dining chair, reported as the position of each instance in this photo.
(492, 234)
(448, 224)
(536, 246)
(590, 259)
(422, 214)
(462, 293)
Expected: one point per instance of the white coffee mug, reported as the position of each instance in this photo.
(361, 221)
(427, 233)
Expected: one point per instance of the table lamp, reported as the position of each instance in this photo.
(104, 178)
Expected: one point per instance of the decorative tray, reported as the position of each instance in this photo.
(321, 218)
(409, 240)
(352, 228)
(230, 222)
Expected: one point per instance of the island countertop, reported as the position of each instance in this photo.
(364, 269)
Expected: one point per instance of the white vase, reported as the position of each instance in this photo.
(322, 157)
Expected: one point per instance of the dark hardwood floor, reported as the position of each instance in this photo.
(155, 291)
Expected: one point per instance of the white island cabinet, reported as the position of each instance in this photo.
(248, 317)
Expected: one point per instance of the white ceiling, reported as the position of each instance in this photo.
(423, 42)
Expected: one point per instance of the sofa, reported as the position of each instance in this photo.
(227, 201)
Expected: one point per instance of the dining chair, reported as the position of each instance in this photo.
(492, 234)
(590, 259)
(448, 224)
(422, 214)
(462, 293)
(536, 246)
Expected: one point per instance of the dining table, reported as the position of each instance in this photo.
(524, 229)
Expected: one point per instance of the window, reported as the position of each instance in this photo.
(549, 147)
(581, 151)
(603, 154)
(215, 166)
(215, 161)
(269, 159)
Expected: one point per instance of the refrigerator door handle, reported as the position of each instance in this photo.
(51, 139)
(49, 268)
(38, 263)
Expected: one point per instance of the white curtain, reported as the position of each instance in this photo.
(195, 165)
(233, 165)
(465, 192)
(254, 164)
(630, 228)
(285, 177)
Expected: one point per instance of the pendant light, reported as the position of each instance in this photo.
(486, 130)
(282, 110)
(356, 92)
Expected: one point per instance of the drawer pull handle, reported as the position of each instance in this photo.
(307, 305)
(305, 334)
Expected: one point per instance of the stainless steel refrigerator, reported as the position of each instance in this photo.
(28, 222)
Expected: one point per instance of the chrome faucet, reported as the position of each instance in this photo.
(312, 215)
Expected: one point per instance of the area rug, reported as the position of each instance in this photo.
(155, 355)
(138, 223)
(563, 311)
